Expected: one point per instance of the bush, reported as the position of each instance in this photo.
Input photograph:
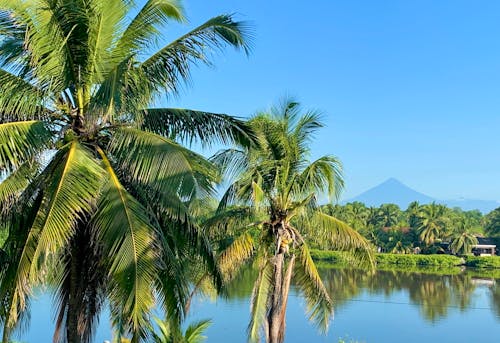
(390, 259)
(483, 261)
(419, 260)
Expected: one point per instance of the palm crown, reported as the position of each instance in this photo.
(97, 186)
(271, 206)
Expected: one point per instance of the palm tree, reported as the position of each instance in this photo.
(388, 215)
(270, 208)
(97, 186)
(463, 238)
(357, 215)
(432, 222)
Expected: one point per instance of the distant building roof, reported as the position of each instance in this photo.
(485, 242)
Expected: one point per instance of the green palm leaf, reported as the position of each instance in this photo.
(307, 279)
(259, 301)
(187, 125)
(12, 187)
(340, 236)
(20, 142)
(72, 181)
(324, 175)
(240, 250)
(129, 240)
(170, 65)
(144, 26)
(161, 163)
(21, 100)
(194, 332)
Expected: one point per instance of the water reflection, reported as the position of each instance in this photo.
(433, 294)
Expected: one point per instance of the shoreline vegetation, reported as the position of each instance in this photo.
(484, 266)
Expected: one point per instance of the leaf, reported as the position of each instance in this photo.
(70, 190)
(194, 332)
(19, 99)
(161, 164)
(12, 187)
(20, 142)
(240, 250)
(143, 29)
(72, 181)
(340, 236)
(129, 240)
(306, 276)
(187, 125)
(170, 65)
(259, 301)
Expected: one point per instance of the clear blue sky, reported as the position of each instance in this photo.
(409, 89)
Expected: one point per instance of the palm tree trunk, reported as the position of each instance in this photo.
(72, 335)
(284, 296)
(273, 317)
(6, 334)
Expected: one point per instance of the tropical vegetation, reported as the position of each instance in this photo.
(424, 228)
(96, 191)
(270, 211)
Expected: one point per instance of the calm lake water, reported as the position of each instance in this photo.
(388, 306)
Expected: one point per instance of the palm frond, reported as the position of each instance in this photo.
(170, 65)
(20, 142)
(20, 99)
(71, 182)
(187, 125)
(259, 301)
(228, 221)
(232, 162)
(324, 175)
(129, 239)
(194, 332)
(69, 192)
(157, 161)
(105, 19)
(240, 250)
(12, 187)
(307, 279)
(143, 28)
(340, 236)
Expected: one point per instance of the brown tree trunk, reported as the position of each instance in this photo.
(72, 335)
(276, 302)
(284, 296)
(277, 313)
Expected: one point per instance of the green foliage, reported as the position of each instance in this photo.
(419, 260)
(391, 259)
(482, 261)
(268, 207)
(107, 214)
(492, 223)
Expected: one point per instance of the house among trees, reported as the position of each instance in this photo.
(484, 247)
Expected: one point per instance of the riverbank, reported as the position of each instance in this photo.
(394, 260)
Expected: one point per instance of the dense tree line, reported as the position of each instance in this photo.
(397, 230)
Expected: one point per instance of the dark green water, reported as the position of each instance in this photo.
(387, 306)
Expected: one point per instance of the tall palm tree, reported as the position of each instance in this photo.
(98, 186)
(271, 206)
(463, 239)
(433, 221)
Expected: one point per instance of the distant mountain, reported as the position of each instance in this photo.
(395, 192)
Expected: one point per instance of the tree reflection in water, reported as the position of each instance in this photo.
(434, 294)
